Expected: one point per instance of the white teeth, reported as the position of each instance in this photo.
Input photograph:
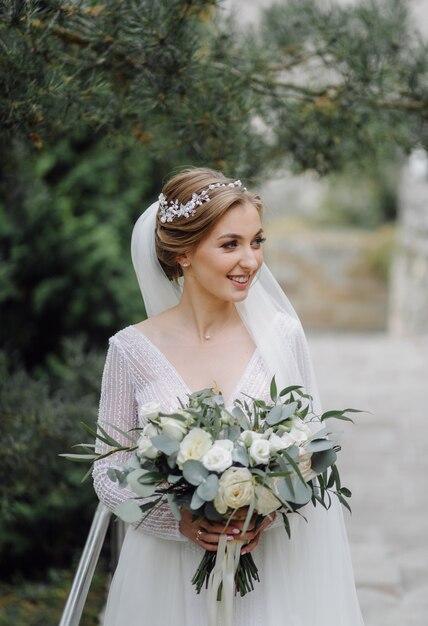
(239, 279)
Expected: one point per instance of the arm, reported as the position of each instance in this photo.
(118, 407)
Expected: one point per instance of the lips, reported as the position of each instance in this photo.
(239, 280)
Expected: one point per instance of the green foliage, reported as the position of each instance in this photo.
(45, 511)
(315, 83)
(143, 69)
(341, 83)
(359, 197)
(41, 603)
(65, 224)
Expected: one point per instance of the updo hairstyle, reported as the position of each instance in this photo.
(184, 234)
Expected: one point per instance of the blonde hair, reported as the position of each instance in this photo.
(184, 234)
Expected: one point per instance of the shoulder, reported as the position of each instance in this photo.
(122, 337)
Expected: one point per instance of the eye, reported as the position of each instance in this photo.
(259, 241)
(230, 244)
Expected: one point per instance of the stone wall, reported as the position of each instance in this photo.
(330, 275)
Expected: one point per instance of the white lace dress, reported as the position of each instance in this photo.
(304, 581)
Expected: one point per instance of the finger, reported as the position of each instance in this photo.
(266, 522)
(254, 538)
(251, 545)
(240, 526)
(209, 541)
(245, 537)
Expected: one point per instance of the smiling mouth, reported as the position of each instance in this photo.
(241, 280)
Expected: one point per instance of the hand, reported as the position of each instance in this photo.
(254, 540)
(205, 533)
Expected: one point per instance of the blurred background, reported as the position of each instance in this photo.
(320, 106)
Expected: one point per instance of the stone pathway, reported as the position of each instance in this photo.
(385, 463)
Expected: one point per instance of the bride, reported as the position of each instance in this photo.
(216, 318)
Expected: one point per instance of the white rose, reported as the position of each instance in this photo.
(194, 446)
(219, 456)
(173, 428)
(235, 489)
(149, 411)
(260, 451)
(266, 502)
(248, 436)
(305, 465)
(300, 432)
(146, 449)
(280, 443)
(150, 430)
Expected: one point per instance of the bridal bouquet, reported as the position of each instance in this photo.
(262, 456)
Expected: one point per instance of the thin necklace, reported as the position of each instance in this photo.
(209, 336)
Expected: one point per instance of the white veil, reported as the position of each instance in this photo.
(267, 313)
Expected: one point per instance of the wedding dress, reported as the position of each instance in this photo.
(304, 581)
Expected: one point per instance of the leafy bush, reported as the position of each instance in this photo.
(65, 224)
(362, 198)
(41, 603)
(45, 511)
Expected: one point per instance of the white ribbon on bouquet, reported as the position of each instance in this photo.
(223, 575)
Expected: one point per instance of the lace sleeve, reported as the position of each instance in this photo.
(118, 407)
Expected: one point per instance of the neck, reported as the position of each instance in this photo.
(206, 318)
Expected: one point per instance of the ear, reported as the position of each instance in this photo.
(184, 260)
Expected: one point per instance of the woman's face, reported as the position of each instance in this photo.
(224, 264)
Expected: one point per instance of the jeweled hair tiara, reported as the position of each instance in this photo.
(169, 211)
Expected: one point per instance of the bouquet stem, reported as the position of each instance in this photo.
(245, 576)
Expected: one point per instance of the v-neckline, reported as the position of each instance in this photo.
(179, 377)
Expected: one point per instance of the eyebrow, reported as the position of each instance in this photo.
(237, 236)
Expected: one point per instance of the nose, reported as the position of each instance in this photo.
(250, 260)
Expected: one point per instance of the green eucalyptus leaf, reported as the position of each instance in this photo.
(116, 475)
(294, 463)
(135, 481)
(129, 512)
(233, 432)
(197, 502)
(240, 455)
(132, 463)
(323, 432)
(274, 416)
(174, 478)
(172, 461)
(320, 461)
(317, 445)
(292, 490)
(194, 472)
(288, 409)
(207, 490)
(167, 445)
(346, 492)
